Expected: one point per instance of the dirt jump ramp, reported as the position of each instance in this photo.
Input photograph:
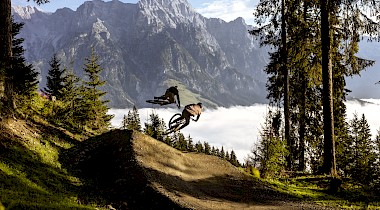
(131, 170)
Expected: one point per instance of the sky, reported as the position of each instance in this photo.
(227, 10)
(238, 127)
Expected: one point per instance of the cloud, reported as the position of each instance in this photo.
(229, 10)
(238, 127)
(234, 128)
(370, 111)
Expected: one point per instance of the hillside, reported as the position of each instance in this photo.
(46, 167)
(139, 172)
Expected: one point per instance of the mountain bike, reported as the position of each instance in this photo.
(173, 126)
(158, 101)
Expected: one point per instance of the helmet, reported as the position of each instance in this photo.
(200, 104)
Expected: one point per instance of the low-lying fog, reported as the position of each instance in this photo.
(238, 127)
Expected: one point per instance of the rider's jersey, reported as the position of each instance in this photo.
(194, 109)
(173, 90)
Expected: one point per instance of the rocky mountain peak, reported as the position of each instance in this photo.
(25, 12)
(169, 12)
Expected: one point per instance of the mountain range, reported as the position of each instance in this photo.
(148, 46)
(153, 44)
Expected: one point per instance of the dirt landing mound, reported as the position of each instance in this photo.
(134, 171)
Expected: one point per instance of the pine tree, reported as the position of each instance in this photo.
(199, 147)
(222, 154)
(55, 78)
(24, 76)
(207, 148)
(213, 151)
(269, 153)
(217, 152)
(376, 163)
(133, 120)
(124, 122)
(190, 145)
(181, 143)
(155, 127)
(233, 159)
(227, 156)
(95, 108)
(360, 152)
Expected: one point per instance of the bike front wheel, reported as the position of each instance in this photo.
(173, 124)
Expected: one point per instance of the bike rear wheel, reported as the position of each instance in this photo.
(157, 101)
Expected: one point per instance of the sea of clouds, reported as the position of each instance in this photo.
(238, 127)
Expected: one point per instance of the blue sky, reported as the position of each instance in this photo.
(225, 9)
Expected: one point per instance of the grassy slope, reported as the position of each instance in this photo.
(44, 167)
(31, 175)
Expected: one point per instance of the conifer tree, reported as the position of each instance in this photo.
(24, 76)
(269, 153)
(217, 152)
(190, 145)
(133, 120)
(233, 159)
(167, 140)
(360, 153)
(124, 122)
(155, 127)
(207, 148)
(55, 78)
(199, 147)
(6, 87)
(222, 154)
(227, 156)
(71, 98)
(180, 143)
(95, 107)
(376, 163)
(213, 151)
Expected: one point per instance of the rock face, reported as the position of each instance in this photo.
(148, 46)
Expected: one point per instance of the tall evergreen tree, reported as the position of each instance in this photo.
(269, 153)
(180, 142)
(55, 78)
(124, 122)
(329, 162)
(190, 145)
(133, 120)
(199, 147)
(207, 148)
(6, 87)
(360, 152)
(155, 127)
(222, 154)
(233, 159)
(24, 76)
(95, 106)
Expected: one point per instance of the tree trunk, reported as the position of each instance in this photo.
(5, 42)
(302, 164)
(284, 56)
(329, 163)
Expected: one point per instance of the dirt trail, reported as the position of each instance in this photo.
(199, 181)
(138, 172)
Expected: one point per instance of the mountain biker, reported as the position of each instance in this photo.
(169, 95)
(189, 111)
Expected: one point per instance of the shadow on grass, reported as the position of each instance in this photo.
(28, 183)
